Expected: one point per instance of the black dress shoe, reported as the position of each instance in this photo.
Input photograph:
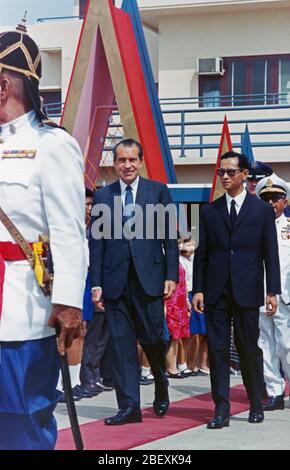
(256, 417)
(125, 416)
(106, 384)
(187, 373)
(161, 401)
(274, 403)
(62, 397)
(219, 422)
(104, 388)
(160, 407)
(92, 389)
(145, 380)
(80, 391)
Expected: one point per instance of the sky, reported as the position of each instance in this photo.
(11, 11)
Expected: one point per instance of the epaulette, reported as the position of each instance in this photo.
(47, 122)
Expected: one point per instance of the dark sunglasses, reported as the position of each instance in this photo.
(272, 197)
(231, 172)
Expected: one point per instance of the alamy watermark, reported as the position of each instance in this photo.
(150, 222)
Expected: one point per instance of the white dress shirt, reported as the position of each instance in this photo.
(238, 200)
(134, 187)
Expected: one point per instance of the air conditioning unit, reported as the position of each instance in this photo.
(212, 66)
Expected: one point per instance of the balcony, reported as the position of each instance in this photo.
(194, 126)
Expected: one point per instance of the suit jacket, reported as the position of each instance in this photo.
(237, 255)
(155, 260)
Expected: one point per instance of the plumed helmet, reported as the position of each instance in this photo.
(19, 53)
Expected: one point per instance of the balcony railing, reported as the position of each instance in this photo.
(56, 18)
(194, 130)
(207, 102)
(217, 101)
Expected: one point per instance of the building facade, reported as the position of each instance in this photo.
(210, 59)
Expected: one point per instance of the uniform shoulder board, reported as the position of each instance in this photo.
(47, 122)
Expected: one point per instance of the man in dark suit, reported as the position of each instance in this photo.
(237, 237)
(133, 271)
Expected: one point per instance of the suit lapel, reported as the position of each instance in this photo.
(244, 210)
(225, 212)
(117, 208)
(141, 196)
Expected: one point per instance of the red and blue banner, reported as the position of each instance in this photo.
(225, 146)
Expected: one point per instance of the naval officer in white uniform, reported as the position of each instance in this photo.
(275, 330)
(42, 192)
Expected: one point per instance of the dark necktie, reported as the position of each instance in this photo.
(233, 213)
(129, 201)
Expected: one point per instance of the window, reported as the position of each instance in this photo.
(284, 85)
(237, 81)
(260, 80)
(250, 80)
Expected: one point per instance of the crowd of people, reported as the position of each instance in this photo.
(154, 307)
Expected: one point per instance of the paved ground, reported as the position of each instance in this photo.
(273, 433)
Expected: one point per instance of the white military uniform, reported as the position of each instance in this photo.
(40, 197)
(275, 330)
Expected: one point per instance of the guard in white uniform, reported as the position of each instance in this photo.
(42, 192)
(275, 330)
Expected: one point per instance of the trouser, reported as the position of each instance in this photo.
(28, 377)
(235, 360)
(95, 345)
(275, 342)
(246, 334)
(135, 315)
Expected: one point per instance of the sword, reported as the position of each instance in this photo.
(66, 381)
(33, 254)
(70, 404)
(20, 240)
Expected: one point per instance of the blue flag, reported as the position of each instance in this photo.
(247, 146)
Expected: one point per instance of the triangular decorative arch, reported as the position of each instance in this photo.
(108, 69)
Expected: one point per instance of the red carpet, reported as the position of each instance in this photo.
(183, 414)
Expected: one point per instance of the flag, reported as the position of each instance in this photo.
(247, 146)
(225, 146)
